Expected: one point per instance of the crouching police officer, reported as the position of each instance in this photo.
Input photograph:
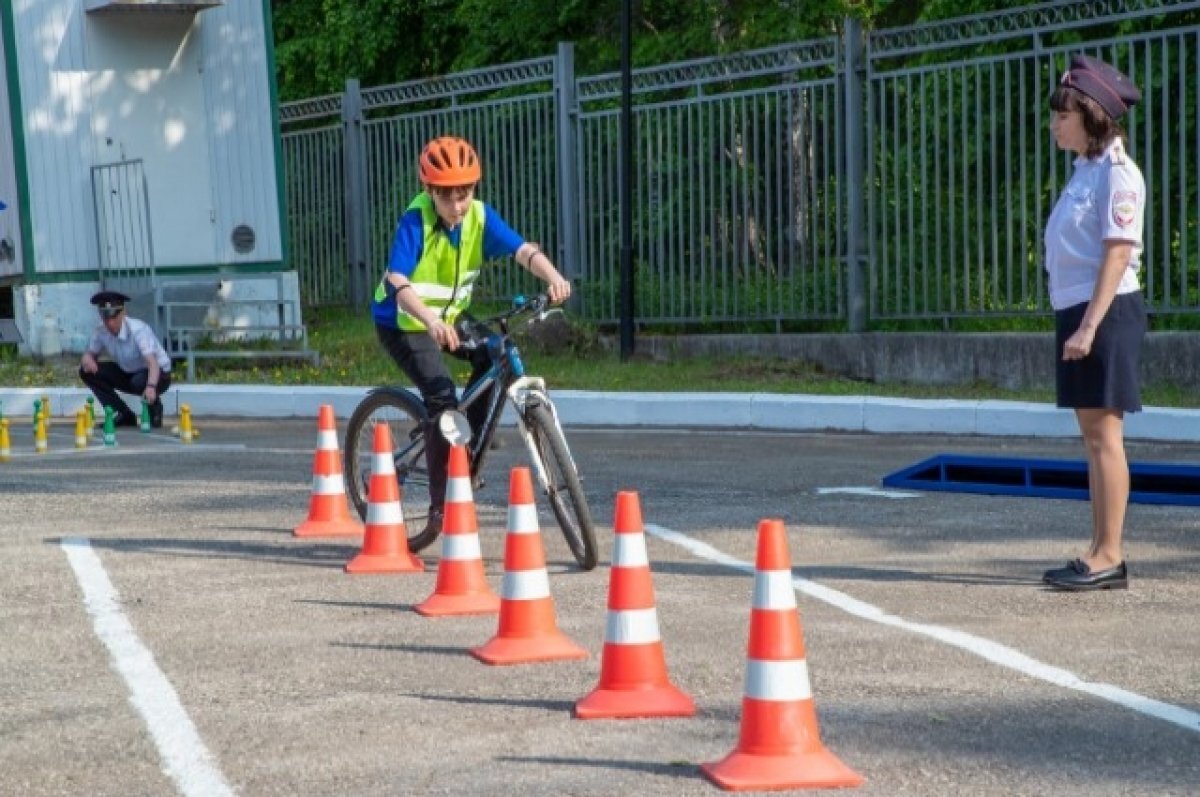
(137, 363)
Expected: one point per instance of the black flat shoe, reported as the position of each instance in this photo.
(1072, 567)
(1083, 579)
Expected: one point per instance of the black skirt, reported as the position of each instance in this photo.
(1110, 376)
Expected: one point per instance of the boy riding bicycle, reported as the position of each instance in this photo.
(441, 243)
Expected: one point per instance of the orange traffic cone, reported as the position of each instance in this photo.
(780, 746)
(633, 670)
(528, 631)
(328, 510)
(461, 587)
(385, 540)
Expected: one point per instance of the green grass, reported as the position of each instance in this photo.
(351, 355)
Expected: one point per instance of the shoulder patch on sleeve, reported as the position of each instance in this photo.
(1124, 207)
(1117, 154)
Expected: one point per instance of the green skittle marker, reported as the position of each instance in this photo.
(110, 429)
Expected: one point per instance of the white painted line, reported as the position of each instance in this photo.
(984, 648)
(874, 491)
(184, 756)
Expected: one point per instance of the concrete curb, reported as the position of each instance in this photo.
(766, 411)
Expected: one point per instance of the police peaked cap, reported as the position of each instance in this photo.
(1103, 83)
(110, 302)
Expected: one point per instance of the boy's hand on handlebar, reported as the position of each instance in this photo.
(444, 334)
(559, 290)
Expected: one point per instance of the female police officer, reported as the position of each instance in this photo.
(1093, 249)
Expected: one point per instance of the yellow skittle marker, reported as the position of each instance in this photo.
(46, 410)
(81, 430)
(40, 444)
(5, 445)
(185, 423)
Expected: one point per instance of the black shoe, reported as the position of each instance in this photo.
(1082, 579)
(1072, 567)
(125, 419)
(156, 413)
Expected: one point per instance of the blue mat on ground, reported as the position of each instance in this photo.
(1150, 482)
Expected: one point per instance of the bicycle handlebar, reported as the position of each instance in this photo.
(469, 331)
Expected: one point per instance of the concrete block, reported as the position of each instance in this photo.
(248, 401)
(816, 413)
(307, 401)
(1024, 418)
(1162, 423)
(731, 410)
(591, 408)
(913, 416)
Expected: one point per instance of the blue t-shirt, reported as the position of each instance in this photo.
(499, 240)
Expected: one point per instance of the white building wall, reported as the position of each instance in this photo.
(147, 103)
(55, 87)
(241, 129)
(188, 94)
(10, 219)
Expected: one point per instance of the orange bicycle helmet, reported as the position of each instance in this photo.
(449, 161)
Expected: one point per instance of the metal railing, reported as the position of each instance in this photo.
(902, 174)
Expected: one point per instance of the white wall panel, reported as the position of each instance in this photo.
(147, 103)
(10, 219)
(241, 130)
(54, 82)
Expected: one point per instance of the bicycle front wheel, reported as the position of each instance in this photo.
(406, 419)
(563, 489)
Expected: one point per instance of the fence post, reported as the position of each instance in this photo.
(354, 170)
(856, 230)
(566, 119)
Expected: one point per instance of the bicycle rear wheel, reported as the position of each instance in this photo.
(405, 417)
(564, 489)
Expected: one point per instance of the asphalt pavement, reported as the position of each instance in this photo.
(166, 634)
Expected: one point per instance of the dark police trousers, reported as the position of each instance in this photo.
(109, 378)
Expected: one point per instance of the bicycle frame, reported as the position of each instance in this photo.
(506, 363)
(520, 392)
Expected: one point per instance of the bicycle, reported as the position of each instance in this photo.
(537, 422)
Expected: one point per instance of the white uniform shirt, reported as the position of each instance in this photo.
(130, 346)
(1105, 200)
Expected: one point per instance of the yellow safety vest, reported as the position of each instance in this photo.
(445, 276)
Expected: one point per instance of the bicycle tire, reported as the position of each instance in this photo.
(406, 417)
(564, 491)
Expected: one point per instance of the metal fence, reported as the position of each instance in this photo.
(964, 172)
(902, 174)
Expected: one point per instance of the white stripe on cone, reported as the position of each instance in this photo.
(777, 680)
(382, 463)
(522, 519)
(773, 589)
(389, 513)
(461, 547)
(458, 490)
(525, 585)
(327, 440)
(629, 550)
(632, 627)
(332, 484)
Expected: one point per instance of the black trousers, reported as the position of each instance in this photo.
(109, 379)
(420, 358)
